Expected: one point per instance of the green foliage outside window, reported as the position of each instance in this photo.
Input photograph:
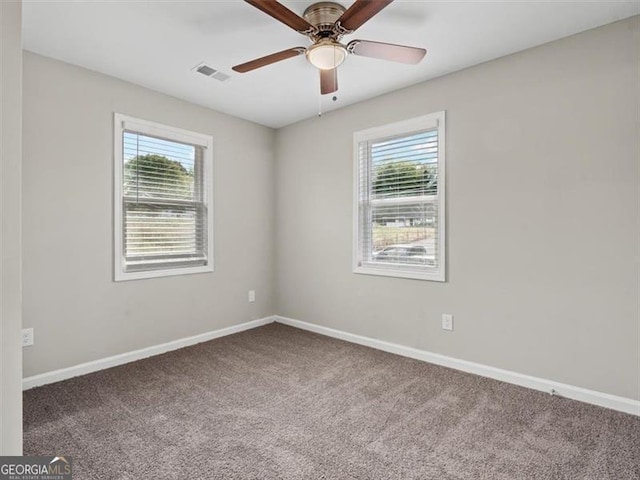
(155, 175)
(404, 179)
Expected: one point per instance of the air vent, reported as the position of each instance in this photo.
(206, 70)
(209, 71)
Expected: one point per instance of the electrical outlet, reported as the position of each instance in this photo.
(447, 321)
(27, 337)
(252, 296)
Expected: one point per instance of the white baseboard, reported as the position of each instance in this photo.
(606, 400)
(94, 366)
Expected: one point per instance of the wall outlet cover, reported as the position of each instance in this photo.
(27, 337)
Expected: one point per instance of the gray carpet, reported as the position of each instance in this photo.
(281, 403)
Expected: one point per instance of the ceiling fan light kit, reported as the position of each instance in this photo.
(326, 54)
(325, 23)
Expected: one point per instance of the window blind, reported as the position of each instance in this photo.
(163, 202)
(398, 202)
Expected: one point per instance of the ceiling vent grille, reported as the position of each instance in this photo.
(206, 70)
(209, 71)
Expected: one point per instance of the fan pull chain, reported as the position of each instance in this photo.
(320, 105)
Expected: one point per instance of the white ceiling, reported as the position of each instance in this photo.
(157, 43)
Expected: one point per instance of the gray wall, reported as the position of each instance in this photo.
(78, 312)
(10, 159)
(542, 174)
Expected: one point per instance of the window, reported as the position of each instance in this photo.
(399, 199)
(163, 193)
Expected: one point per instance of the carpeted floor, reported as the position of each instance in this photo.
(281, 403)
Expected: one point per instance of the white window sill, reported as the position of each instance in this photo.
(430, 275)
(168, 272)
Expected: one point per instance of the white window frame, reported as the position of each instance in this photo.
(124, 122)
(425, 122)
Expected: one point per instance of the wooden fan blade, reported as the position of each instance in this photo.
(269, 59)
(283, 14)
(387, 51)
(361, 12)
(328, 81)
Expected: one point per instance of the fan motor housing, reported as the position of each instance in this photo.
(323, 15)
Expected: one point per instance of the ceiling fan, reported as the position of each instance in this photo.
(325, 23)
